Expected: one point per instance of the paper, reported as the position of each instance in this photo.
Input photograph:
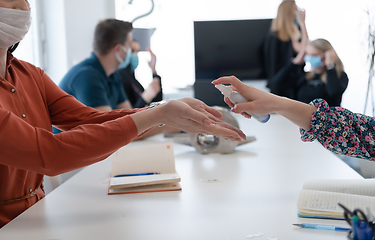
(149, 188)
(365, 187)
(144, 158)
(121, 182)
(319, 198)
(328, 201)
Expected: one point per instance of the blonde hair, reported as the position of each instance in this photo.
(284, 24)
(324, 45)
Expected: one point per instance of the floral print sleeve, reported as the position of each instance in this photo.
(341, 131)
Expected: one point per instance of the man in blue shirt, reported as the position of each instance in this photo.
(89, 83)
(95, 82)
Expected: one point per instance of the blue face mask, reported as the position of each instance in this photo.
(314, 61)
(134, 62)
(124, 63)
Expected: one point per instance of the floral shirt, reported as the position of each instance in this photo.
(341, 131)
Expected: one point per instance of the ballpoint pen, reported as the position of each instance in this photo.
(323, 227)
(136, 174)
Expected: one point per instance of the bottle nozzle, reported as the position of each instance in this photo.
(226, 91)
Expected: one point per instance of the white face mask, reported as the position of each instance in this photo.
(124, 63)
(14, 24)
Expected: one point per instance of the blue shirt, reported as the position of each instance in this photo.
(89, 84)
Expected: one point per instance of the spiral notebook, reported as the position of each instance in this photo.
(319, 198)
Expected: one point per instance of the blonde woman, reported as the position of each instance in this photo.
(284, 49)
(326, 79)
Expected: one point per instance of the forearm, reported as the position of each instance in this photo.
(297, 112)
(304, 35)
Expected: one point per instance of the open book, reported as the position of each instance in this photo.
(319, 198)
(132, 162)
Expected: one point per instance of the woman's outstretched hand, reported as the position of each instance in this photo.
(259, 102)
(194, 116)
(189, 115)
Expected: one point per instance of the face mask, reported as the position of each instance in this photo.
(314, 61)
(124, 63)
(134, 62)
(14, 24)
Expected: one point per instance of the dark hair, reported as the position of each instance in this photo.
(108, 33)
(13, 47)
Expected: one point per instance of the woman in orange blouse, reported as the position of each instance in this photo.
(30, 103)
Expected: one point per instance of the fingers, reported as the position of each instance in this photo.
(227, 101)
(232, 128)
(201, 118)
(243, 107)
(216, 113)
(235, 82)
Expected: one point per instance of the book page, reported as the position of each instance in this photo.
(149, 157)
(328, 201)
(149, 188)
(365, 187)
(122, 182)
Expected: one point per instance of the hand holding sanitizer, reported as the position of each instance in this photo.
(235, 97)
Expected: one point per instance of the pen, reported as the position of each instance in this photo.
(323, 227)
(136, 174)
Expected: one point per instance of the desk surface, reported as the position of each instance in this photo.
(258, 193)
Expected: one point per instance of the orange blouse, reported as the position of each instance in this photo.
(30, 103)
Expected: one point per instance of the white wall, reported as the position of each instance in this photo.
(68, 26)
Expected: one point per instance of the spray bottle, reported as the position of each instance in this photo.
(235, 97)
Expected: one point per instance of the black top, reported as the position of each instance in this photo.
(282, 74)
(308, 90)
(134, 89)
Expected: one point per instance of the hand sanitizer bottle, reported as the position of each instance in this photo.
(235, 97)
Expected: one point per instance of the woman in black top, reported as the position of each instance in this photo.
(327, 79)
(284, 49)
(137, 95)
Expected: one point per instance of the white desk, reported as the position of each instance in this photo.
(259, 192)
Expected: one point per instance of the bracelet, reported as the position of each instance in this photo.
(155, 75)
(155, 104)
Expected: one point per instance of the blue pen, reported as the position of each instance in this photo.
(136, 174)
(323, 227)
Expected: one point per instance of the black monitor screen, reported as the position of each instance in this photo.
(233, 47)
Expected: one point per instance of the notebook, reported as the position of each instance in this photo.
(319, 198)
(144, 158)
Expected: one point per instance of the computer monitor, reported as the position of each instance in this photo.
(233, 47)
(224, 48)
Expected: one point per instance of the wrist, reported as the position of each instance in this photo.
(160, 112)
(281, 104)
(149, 118)
(330, 66)
(155, 75)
